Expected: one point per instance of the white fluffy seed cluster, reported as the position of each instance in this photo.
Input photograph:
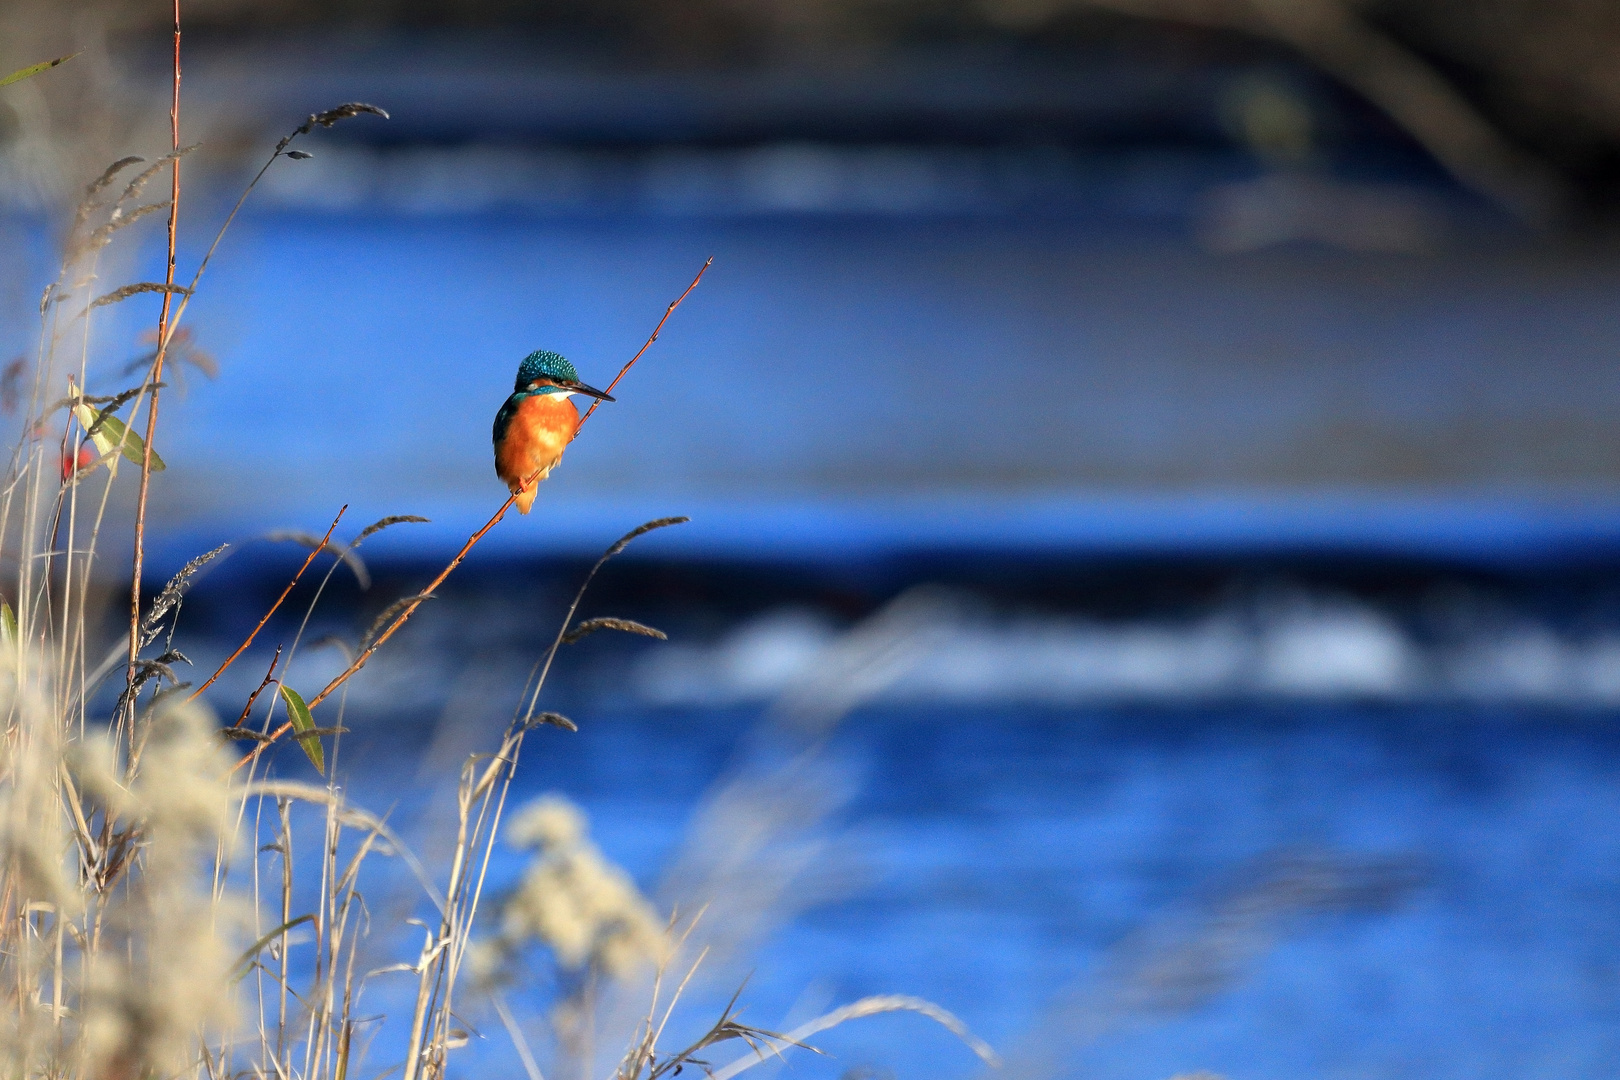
(167, 982)
(572, 900)
(119, 943)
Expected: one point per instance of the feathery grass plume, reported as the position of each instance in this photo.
(387, 616)
(33, 839)
(113, 403)
(584, 908)
(92, 193)
(133, 190)
(102, 235)
(160, 986)
(345, 111)
(571, 900)
(40, 887)
(124, 292)
(344, 554)
(391, 520)
(554, 720)
(104, 181)
(121, 959)
(642, 530)
(627, 626)
(81, 243)
(173, 593)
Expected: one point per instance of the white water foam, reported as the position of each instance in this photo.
(1304, 647)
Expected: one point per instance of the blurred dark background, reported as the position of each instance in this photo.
(1507, 94)
(1236, 379)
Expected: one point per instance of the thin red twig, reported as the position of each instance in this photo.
(242, 648)
(360, 661)
(157, 369)
(269, 674)
(656, 331)
(248, 708)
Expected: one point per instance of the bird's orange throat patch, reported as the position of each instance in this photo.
(535, 441)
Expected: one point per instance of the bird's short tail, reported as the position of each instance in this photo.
(525, 498)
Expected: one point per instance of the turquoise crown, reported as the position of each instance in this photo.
(544, 364)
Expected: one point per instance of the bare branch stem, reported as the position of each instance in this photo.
(156, 372)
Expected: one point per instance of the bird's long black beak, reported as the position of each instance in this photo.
(581, 388)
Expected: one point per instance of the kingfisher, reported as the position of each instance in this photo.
(537, 422)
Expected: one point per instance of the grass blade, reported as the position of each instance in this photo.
(245, 962)
(107, 431)
(304, 727)
(34, 69)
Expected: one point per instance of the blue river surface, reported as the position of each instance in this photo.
(1261, 890)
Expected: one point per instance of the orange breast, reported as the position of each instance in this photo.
(539, 433)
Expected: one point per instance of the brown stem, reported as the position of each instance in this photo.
(253, 697)
(656, 331)
(157, 371)
(242, 648)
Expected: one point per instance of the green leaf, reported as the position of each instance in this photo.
(132, 445)
(110, 432)
(244, 963)
(304, 725)
(34, 69)
(8, 623)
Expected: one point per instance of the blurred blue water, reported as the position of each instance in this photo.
(1002, 862)
(961, 377)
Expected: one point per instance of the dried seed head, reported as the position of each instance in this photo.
(102, 236)
(174, 591)
(378, 526)
(553, 719)
(346, 554)
(343, 112)
(152, 170)
(642, 530)
(126, 291)
(91, 200)
(388, 615)
(102, 182)
(628, 626)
